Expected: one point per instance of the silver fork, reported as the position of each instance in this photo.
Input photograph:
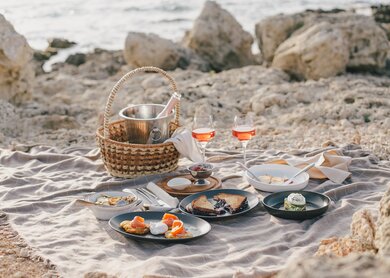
(146, 196)
(152, 195)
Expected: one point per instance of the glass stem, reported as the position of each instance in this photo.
(244, 144)
(203, 147)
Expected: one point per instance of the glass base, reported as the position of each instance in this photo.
(202, 182)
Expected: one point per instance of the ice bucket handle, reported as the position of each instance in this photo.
(127, 76)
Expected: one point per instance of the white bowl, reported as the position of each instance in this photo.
(277, 170)
(103, 212)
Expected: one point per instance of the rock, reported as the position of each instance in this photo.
(361, 240)
(341, 247)
(381, 13)
(9, 114)
(16, 71)
(386, 28)
(60, 43)
(386, 124)
(319, 52)
(355, 265)
(218, 38)
(55, 122)
(382, 237)
(367, 42)
(41, 55)
(76, 59)
(151, 50)
(102, 64)
(363, 227)
(272, 31)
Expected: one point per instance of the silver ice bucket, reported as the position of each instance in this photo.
(141, 124)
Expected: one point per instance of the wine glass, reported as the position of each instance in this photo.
(243, 129)
(203, 131)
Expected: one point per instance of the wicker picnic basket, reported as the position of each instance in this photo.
(127, 160)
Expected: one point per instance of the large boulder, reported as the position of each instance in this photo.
(151, 50)
(320, 51)
(272, 31)
(16, 71)
(218, 38)
(367, 41)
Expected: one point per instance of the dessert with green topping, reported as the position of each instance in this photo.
(295, 202)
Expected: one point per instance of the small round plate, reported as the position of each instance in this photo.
(316, 204)
(252, 199)
(196, 226)
(214, 184)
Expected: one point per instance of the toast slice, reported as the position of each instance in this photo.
(202, 205)
(232, 202)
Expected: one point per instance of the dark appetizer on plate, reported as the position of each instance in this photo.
(232, 203)
(219, 203)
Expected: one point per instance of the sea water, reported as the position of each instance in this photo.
(105, 23)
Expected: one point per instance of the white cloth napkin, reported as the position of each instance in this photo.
(329, 164)
(185, 144)
(161, 194)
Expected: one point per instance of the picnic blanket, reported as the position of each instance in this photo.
(38, 188)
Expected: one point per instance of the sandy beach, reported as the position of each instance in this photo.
(318, 79)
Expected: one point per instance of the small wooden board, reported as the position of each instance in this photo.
(192, 189)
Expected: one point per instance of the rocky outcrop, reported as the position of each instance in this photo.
(356, 265)
(361, 240)
(366, 40)
(382, 237)
(16, 73)
(320, 51)
(218, 38)
(151, 50)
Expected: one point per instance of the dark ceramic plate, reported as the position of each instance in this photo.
(316, 204)
(198, 227)
(251, 198)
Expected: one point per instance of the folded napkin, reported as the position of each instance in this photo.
(185, 144)
(330, 165)
(161, 194)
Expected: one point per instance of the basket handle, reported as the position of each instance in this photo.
(126, 77)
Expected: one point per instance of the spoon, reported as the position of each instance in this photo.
(249, 171)
(290, 180)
